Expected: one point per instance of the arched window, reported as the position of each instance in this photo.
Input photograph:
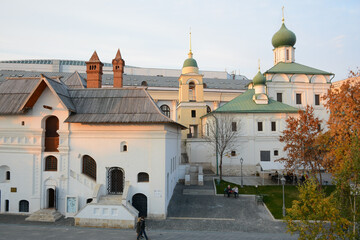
(50, 163)
(144, 83)
(192, 94)
(89, 167)
(208, 109)
(166, 110)
(4, 173)
(143, 177)
(123, 146)
(51, 135)
(287, 54)
(7, 175)
(23, 206)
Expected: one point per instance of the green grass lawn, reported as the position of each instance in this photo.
(272, 195)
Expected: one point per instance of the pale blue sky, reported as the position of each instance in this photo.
(229, 34)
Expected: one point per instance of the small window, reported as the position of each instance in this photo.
(279, 97)
(204, 85)
(143, 177)
(89, 200)
(298, 98)
(23, 206)
(123, 147)
(144, 83)
(265, 156)
(193, 113)
(233, 126)
(233, 153)
(50, 163)
(317, 99)
(260, 126)
(166, 110)
(7, 205)
(89, 167)
(273, 126)
(276, 153)
(287, 54)
(7, 175)
(208, 109)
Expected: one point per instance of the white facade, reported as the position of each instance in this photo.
(151, 148)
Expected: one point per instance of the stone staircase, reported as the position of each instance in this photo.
(110, 200)
(45, 215)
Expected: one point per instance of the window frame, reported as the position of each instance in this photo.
(279, 96)
(260, 127)
(143, 177)
(262, 156)
(165, 109)
(317, 100)
(90, 170)
(298, 98)
(193, 113)
(273, 126)
(234, 126)
(51, 164)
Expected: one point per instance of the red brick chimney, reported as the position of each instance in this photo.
(94, 71)
(118, 68)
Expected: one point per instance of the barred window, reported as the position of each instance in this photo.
(23, 206)
(50, 163)
(143, 177)
(89, 167)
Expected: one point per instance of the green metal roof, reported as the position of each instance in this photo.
(190, 62)
(245, 104)
(283, 67)
(283, 37)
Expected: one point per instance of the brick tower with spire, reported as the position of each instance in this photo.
(94, 71)
(118, 68)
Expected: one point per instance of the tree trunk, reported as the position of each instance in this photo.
(220, 167)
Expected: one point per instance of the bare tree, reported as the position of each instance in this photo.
(221, 132)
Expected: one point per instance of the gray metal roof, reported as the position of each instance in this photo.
(114, 105)
(136, 80)
(13, 94)
(75, 80)
(103, 105)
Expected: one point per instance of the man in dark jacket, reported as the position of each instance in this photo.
(142, 228)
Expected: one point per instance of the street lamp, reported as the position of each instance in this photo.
(283, 184)
(241, 163)
(355, 191)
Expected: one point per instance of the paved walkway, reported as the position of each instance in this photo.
(190, 216)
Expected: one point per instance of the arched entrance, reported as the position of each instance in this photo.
(139, 201)
(116, 178)
(51, 198)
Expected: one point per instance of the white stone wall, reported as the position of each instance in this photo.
(154, 149)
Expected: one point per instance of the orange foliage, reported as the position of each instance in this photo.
(343, 123)
(299, 138)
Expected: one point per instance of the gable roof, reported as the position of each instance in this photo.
(75, 80)
(293, 68)
(245, 104)
(13, 94)
(115, 105)
(56, 87)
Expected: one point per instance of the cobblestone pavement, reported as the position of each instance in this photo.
(190, 216)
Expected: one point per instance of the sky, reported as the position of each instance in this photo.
(227, 35)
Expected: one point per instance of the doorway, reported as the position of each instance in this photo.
(51, 198)
(139, 201)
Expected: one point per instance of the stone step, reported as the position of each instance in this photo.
(110, 199)
(44, 215)
(198, 192)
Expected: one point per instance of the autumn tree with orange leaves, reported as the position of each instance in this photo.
(299, 137)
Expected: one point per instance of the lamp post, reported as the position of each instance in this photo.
(283, 184)
(355, 191)
(241, 163)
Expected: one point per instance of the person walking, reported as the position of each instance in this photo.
(142, 228)
(138, 228)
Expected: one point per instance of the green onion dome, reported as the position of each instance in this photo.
(190, 62)
(259, 79)
(283, 37)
